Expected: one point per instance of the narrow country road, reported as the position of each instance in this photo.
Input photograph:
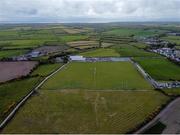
(170, 116)
(18, 106)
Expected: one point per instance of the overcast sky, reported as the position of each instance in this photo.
(89, 10)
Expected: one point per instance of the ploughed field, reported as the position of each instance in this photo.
(12, 70)
(79, 111)
(98, 75)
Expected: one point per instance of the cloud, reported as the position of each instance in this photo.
(88, 10)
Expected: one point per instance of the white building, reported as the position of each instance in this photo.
(77, 58)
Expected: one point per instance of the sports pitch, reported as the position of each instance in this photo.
(98, 76)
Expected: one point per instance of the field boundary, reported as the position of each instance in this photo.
(21, 103)
(145, 75)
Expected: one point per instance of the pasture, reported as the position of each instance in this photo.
(100, 53)
(11, 53)
(74, 30)
(173, 39)
(128, 32)
(98, 76)
(19, 44)
(69, 38)
(160, 68)
(172, 92)
(83, 44)
(11, 93)
(46, 69)
(78, 111)
(126, 50)
(12, 70)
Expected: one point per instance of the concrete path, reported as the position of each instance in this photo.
(170, 116)
(19, 105)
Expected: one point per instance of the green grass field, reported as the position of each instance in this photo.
(11, 53)
(77, 111)
(27, 43)
(99, 75)
(11, 93)
(101, 53)
(132, 31)
(44, 70)
(132, 51)
(177, 47)
(160, 68)
(70, 38)
(172, 39)
(139, 45)
(172, 92)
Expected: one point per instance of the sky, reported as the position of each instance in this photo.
(88, 11)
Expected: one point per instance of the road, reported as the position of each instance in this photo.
(20, 104)
(146, 76)
(170, 116)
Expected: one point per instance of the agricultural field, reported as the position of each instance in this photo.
(11, 53)
(83, 97)
(177, 47)
(116, 39)
(126, 32)
(139, 45)
(172, 92)
(173, 39)
(74, 30)
(106, 45)
(83, 44)
(70, 38)
(12, 70)
(11, 93)
(78, 111)
(128, 50)
(22, 44)
(160, 68)
(102, 52)
(46, 69)
(97, 76)
(35, 37)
